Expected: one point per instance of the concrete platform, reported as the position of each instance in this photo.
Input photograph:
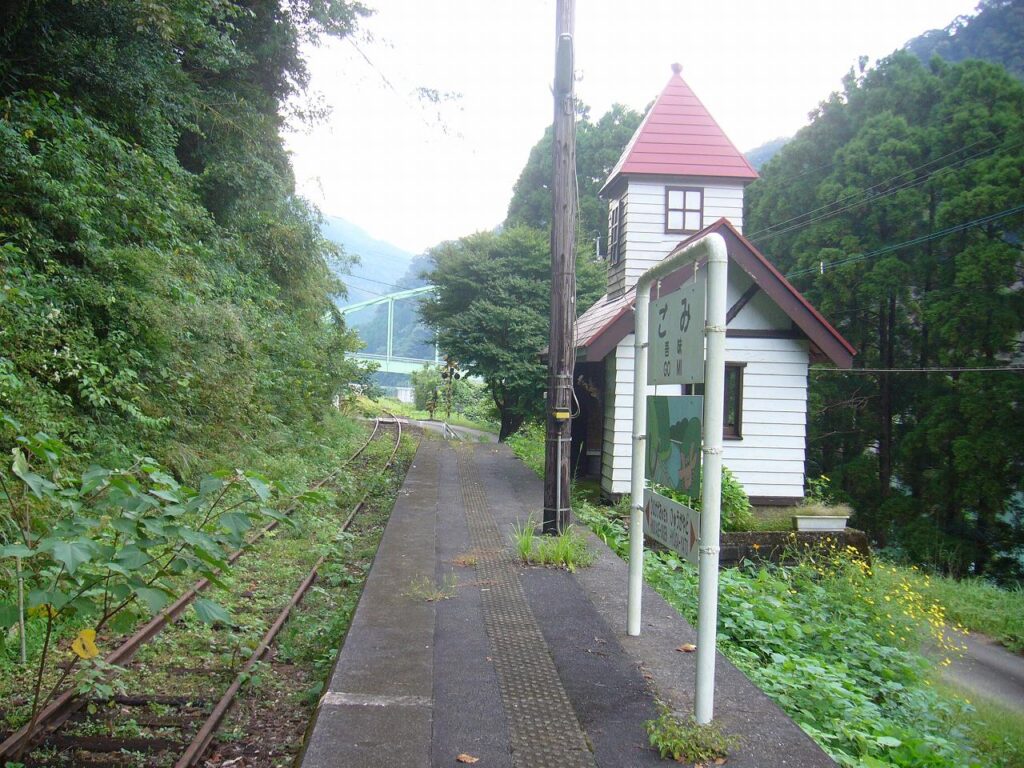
(519, 667)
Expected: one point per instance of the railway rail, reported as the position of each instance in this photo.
(99, 750)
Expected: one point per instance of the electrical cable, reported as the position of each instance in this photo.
(867, 198)
(372, 280)
(866, 192)
(389, 84)
(907, 243)
(938, 369)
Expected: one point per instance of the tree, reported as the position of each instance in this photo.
(598, 147)
(491, 313)
(993, 34)
(164, 290)
(866, 209)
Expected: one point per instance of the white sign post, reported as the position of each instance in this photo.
(712, 247)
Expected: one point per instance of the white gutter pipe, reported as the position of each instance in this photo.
(712, 247)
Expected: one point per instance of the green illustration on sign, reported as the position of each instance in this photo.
(674, 442)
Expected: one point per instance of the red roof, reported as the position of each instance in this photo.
(610, 320)
(678, 137)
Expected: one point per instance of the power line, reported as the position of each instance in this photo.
(372, 65)
(907, 243)
(389, 84)
(865, 192)
(866, 196)
(951, 369)
(371, 280)
(365, 290)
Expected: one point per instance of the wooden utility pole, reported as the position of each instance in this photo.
(561, 349)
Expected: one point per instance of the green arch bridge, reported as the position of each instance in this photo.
(388, 362)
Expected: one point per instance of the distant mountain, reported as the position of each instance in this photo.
(380, 263)
(994, 34)
(758, 156)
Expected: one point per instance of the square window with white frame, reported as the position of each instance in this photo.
(684, 209)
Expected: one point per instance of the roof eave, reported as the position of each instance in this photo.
(826, 343)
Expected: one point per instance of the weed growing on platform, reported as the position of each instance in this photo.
(566, 550)
(423, 588)
(523, 536)
(685, 741)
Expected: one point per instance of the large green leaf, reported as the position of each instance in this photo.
(71, 553)
(210, 612)
(133, 558)
(210, 485)
(16, 550)
(8, 615)
(52, 597)
(201, 542)
(124, 525)
(153, 599)
(93, 478)
(259, 487)
(38, 484)
(236, 522)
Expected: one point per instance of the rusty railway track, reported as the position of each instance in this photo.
(65, 706)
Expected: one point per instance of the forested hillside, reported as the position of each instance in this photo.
(899, 212)
(994, 34)
(164, 291)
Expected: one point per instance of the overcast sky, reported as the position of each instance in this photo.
(415, 173)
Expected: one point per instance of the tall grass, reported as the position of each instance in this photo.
(976, 604)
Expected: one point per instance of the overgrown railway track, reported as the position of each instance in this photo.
(162, 725)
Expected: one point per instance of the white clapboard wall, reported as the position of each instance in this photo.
(644, 238)
(769, 457)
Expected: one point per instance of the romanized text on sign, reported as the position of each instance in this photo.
(672, 524)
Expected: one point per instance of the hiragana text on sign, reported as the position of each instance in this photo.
(676, 332)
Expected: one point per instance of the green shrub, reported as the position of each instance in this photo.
(528, 444)
(737, 514)
(108, 542)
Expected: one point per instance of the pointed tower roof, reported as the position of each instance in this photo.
(679, 137)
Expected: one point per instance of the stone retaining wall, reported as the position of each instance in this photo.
(779, 546)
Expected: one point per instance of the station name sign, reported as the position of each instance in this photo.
(676, 343)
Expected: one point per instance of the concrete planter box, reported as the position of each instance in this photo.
(820, 522)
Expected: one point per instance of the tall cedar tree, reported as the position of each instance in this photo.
(492, 307)
(903, 153)
(598, 147)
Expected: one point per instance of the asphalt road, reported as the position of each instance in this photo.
(989, 670)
